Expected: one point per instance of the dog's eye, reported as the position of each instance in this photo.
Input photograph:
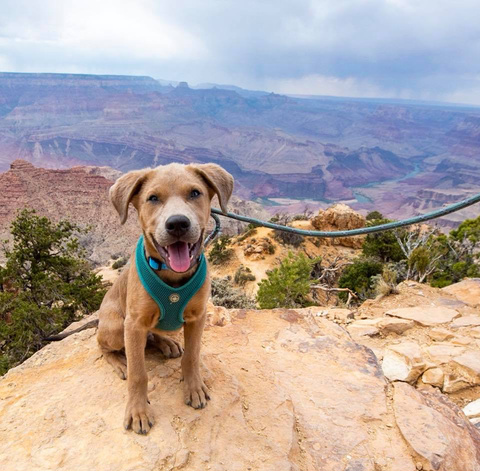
(195, 194)
(153, 198)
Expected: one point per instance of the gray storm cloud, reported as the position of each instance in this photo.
(391, 48)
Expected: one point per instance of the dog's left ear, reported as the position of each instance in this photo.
(218, 180)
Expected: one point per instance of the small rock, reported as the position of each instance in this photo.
(439, 334)
(392, 324)
(454, 383)
(425, 315)
(433, 376)
(466, 321)
(472, 409)
(468, 365)
(364, 327)
(442, 354)
(403, 362)
(475, 332)
(340, 314)
(461, 341)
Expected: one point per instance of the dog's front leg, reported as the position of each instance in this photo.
(138, 413)
(195, 392)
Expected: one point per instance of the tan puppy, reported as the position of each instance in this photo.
(173, 205)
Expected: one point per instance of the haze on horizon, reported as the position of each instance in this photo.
(406, 49)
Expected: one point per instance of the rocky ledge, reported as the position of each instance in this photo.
(291, 391)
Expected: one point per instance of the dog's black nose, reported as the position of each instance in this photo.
(177, 225)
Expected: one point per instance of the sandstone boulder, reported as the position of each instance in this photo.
(290, 391)
(403, 362)
(339, 217)
(434, 377)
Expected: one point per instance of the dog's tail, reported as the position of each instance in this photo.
(88, 325)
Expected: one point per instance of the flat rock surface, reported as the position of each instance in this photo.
(465, 321)
(435, 433)
(290, 391)
(425, 315)
(467, 290)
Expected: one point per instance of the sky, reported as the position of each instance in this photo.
(412, 49)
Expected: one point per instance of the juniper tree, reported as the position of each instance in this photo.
(46, 284)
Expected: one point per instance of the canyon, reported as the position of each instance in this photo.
(399, 157)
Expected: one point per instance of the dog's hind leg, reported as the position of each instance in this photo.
(168, 347)
(110, 337)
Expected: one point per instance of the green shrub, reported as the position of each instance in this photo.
(460, 259)
(374, 215)
(358, 278)
(50, 284)
(468, 229)
(220, 252)
(288, 285)
(224, 294)
(243, 275)
(119, 263)
(382, 245)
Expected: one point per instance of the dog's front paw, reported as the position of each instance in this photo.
(196, 394)
(138, 416)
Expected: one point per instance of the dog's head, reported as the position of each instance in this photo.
(173, 205)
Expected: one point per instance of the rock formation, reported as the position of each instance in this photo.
(291, 391)
(339, 217)
(432, 342)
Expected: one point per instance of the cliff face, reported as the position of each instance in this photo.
(289, 391)
(76, 194)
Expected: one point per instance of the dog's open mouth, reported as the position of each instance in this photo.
(180, 256)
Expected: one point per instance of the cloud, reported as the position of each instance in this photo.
(359, 47)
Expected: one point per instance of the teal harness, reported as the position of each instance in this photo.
(171, 301)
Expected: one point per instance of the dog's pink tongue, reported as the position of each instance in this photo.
(178, 256)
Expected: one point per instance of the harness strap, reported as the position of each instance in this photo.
(171, 301)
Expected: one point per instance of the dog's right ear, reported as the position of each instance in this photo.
(124, 189)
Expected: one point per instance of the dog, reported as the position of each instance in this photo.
(173, 206)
